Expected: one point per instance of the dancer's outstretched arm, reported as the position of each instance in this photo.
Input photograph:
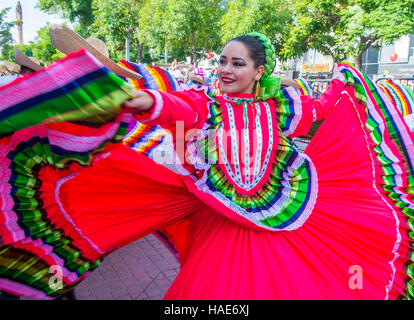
(296, 112)
(165, 109)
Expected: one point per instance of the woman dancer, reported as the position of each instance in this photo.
(251, 217)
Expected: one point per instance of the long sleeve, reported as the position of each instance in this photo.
(189, 107)
(325, 102)
(296, 112)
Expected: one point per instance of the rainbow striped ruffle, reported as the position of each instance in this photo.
(304, 87)
(59, 98)
(391, 144)
(154, 78)
(400, 95)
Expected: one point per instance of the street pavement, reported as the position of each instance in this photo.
(143, 270)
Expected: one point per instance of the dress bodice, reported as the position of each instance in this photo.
(239, 161)
(246, 140)
(248, 169)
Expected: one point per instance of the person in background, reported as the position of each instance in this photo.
(174, 65)
(411, 85)
(315, 90)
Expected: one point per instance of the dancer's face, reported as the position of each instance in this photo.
(236, 71)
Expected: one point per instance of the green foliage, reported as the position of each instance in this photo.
(273, 18)
(189, 27)
(155, 31)
(5, 34)
(7, 52)
(74, 10)
(42, 47)
(194, 25)
(346, 28)
(153, 23)
(115, 20)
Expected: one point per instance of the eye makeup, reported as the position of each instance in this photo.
(239, 62)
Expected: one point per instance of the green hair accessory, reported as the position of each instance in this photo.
(268, 86)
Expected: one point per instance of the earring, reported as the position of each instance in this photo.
(219, 87)
(256, 89)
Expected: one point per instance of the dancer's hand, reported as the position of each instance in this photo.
(142, 101)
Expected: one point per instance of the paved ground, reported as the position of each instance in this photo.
(143, 270)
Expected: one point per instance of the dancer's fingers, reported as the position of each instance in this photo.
(142, 101)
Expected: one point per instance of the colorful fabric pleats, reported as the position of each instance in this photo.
(400, 94)
(37, 236)
(75, 88)
(71, 192)
(154, 78)
(304, 89)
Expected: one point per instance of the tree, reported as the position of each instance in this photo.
(74, 10)
(186, 27)
(270, 17)
(346, 28)
(7, 52)
(194, 24)
(5, 34)
(42, 47)
(153, 24)
(115, 21)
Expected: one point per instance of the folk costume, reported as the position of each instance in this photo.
(402, 97)
(249, 215)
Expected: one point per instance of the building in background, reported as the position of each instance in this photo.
(396, 60)
(312, 65)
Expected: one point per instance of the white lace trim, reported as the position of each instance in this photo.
(279, 205)
(157, 106)
(297, 113)
(235, 99)
(397, 222)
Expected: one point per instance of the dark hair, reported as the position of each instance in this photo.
(255, 48)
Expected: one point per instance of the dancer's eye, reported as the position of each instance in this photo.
(239, 64)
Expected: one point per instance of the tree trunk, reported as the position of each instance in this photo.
(140, 47)
(365, 43)
(194, 49)
(358, 61)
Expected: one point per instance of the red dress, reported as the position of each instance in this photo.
(250, 216)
